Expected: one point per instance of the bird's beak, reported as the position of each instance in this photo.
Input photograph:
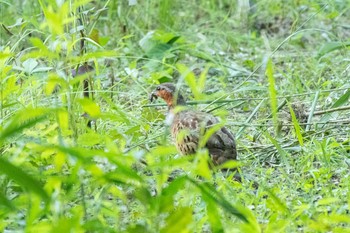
(153, 96)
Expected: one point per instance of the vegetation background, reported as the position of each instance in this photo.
(276, 72)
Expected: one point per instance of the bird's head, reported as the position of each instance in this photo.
(168, 92)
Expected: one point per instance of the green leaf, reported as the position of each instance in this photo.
(327, 201)
(122, 174)
(23, 119)
(202, 169)
(296, 125)
(6, 202)
(22, 178)
(340, 102)
(211, 193)
(158, 51)
(342, 99)
(279, 148)
(53, 82)
(179, 221)
(278, 203)
(4, 55)
(90, 139)
(173, 40)
(272, 90)
(168, 193)
(331, 46)
(190, 79)
(90, 107)
(213, 213)
(157, 44)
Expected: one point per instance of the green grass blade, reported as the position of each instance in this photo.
(24, 179)
(213, 213)
(331, 46)
(240, 131)
(297, 128)
(280, 205)
(23, 119)
(6, 202)
(312, 110)
(272, 91)
(279, 148)
(178, 220)
(220, 200)
(342, 99)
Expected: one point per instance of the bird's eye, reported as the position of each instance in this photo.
(158, 88)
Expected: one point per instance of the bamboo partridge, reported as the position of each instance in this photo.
(187, 126)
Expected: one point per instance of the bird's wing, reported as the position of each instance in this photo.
(221, 144)
(189, 126)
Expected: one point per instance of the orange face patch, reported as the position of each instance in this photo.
(166, 95)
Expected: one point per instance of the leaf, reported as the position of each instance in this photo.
(213, 213)
(202, 169)
(29, 65)
(89, 139)
(217, 197)
(103, 40)
(342, 99)
(158, 51)
(168, 193)
(157, 44)
(272, 90)
(179, 221)
(22, 178)
(144, 196)
(340, 102)
(57, 17)
(296, 125)
(203, 78)
(173, 40)
(23, 119)
(41, 51)
(53, 81)
(5, 54)
(63, 119)
(37, 42)
(90, 107)
(190, 79)
(327, 201)
(278, 203)
(279, 148)
(331, 46)
(6, 202)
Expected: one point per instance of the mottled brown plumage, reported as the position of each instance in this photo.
(187, 127)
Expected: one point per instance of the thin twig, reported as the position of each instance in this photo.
(7, 30)
(331, 110)
(341, 121)
(196, 102)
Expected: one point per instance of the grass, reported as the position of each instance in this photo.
(275, 73)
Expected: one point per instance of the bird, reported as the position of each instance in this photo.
(187, 126)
